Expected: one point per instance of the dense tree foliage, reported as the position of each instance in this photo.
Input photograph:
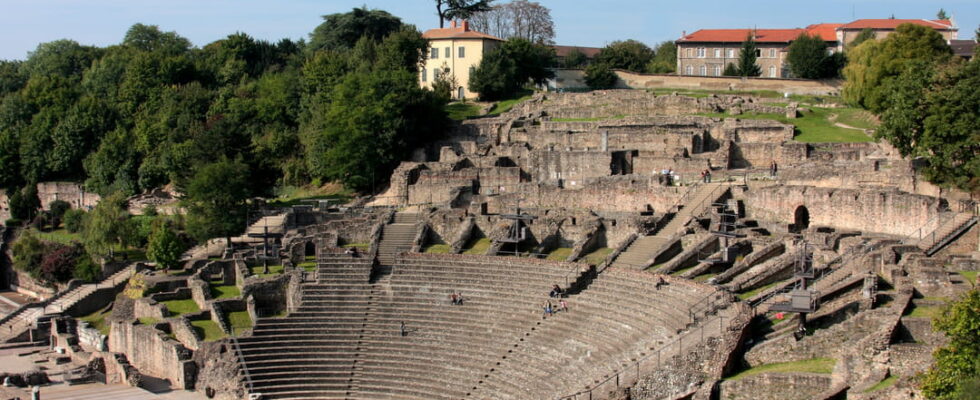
(215, 200)
(863, 36)
(462, 9)
(956, 372)
(808, 58)
(664, 58)
(746, 58)
(164, 245)
(599, 76)
(630, 55)
(107, 227)
(507, 69)
(875, 63)
(343, 30)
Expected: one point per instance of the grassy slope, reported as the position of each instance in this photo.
(813, 126)
(816, 365)
(181, 307)
(460, 111)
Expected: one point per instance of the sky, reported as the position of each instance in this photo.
(26, 23)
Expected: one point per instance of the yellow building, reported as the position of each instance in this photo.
(456, 50)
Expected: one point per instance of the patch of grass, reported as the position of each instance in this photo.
(181, 307)
(704, 277)
(259, 270)
(815, 365)
(594, 119)
(884, 384)
(560, 254)
(208, 330)
(460, 111)
(239, 321)
(856, 117)
(970, 276)
(597, 256)
(308, 266)
(148, 320)
(812, 126)
(58, 236)
(225, 292)
(478, 246)
(288, 196)
(917, 311)
(505, 105)
(753, 292)
(437, 249)
(97, 320)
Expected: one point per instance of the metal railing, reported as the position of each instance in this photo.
(241, 362)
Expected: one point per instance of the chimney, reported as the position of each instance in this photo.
(466, 25)
(683, 34)
(453, 23)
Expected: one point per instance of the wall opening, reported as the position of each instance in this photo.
(310, 250)
(801, 220)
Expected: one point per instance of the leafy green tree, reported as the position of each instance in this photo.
(575, 59)
(630, 55)
(533, 61)
(65, 58)
(462, 9)
(11, 77)
(164, 246)
(149, 38)
(28, 251)
(730, 70)
(24, 203)
(215, 199)
(343, 30)
(863, 36)
(872, 64)
(74, 220)
(493, 78)
(956, 370)
(86, 269)
(107, 226)
(58, 209)
(664, 59)
(444, 85)
(747, 58)
(942, 14)
(808, 58)
(599, 76)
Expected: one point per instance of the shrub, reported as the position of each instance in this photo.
(58, 264)
(58, 209)
(86, 269)
(599, 76)
(73, 220)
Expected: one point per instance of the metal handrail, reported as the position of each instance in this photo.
(241, 362)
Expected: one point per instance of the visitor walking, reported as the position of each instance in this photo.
(402, 329)
(459, 298)
(707, 176)
(773, 168)
(563, 304)
(454, 299)
(547, 310)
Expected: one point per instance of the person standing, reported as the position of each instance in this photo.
(773, 168)
(402, 329)
(563, 304)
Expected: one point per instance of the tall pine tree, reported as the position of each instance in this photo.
(746, 60)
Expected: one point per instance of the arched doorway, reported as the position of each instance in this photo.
(801, 220)
(461, 93)
(310, 249)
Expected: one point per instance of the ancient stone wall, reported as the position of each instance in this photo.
(778, 386)
(575, 79)
(153, 353)
(73, 193)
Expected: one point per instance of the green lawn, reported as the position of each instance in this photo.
(437, 249)
(308, 266)
(259, 270)
(460, 111)
(97, 320)
(225, 291)
(885, 383)
(753, 292)
(208, 330)
(597, 256)
(505, 105)
(970, 276)
(815, 365)
(181, 307)
(813, 126)
(856, 117)
(148, 320)
(287, 196)
(704, 277)
(478, 246)
(560, 254)
(594, 119)
(239, 321)
(58, 236)
(916, 311)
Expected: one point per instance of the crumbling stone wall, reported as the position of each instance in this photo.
(73, 193)
(777, 386)
(153, 353)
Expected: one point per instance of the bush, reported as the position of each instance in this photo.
(24, 203)
(599, 76)
(58, 209)
(74, 219)
(86, 269)
(28, 251)
(58, 264)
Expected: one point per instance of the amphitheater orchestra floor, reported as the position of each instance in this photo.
(99, 391)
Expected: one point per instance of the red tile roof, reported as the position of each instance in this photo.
(827, 32)
(894, 23)
(739, 35)
(457, 32)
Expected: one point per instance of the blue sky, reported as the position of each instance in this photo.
(26, 23)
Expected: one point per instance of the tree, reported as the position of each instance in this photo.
(28, 251)
(462, 9)
(149, 38)
(808, 57)
(517, 19)
(504, 71)
(747, 57)
(59, 262)
(74, 220)
(664, 59)
(599, 76)
(872, 64)
(215, 199)
(956, 370)
(24, 203)
(865, 35)
(730, 70)
(445, 84)
(343, 30)
(630, 55)
(58, 209)
(942, 14)
(575, 58)
(107, 226)
(164, 246)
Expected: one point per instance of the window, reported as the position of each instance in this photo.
(434, 53)
(717, 70)
(731, 53)
(758, 53)
(448, 52)
(717, 53)
(704, 70)
(462, 52)
(701, 52)
(435, 74)
(424, 73)
(690, 53)
(689, 70)
(772, 53)
(772, 71)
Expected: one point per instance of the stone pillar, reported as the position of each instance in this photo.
(605, 140)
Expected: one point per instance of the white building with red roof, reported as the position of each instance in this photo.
(456, 50)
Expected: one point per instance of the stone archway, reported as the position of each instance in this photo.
(309, 250)
(801, 220)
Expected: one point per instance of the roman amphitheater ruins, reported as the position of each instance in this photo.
(673, 282)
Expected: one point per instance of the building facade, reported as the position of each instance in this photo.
(456, 50)
(708, 51)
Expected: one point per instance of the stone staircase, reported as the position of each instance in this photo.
(397, 237)
(641, 253)
(947, 230)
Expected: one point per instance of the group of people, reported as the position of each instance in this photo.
(550, 309)
(706, 176)
(556, 292)
(456, 298)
